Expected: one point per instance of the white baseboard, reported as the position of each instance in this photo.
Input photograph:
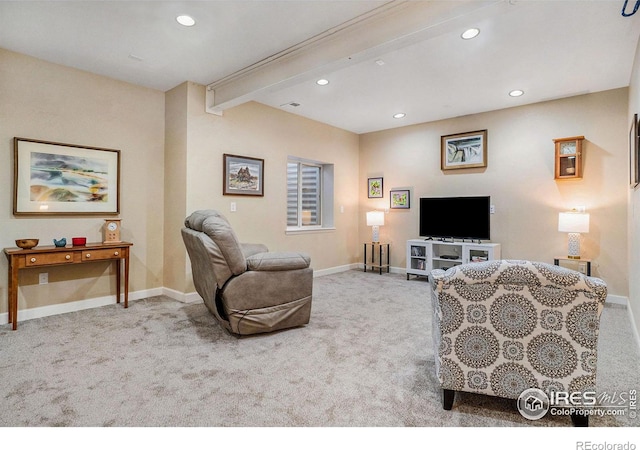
(332, 270)
(188, 297)
(617, 300)
(63, 308)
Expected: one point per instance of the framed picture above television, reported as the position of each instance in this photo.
(463, 150)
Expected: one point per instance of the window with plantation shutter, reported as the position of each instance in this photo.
(309, 187)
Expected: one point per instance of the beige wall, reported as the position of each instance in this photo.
(175, 188)
(519, 178)
(45, 101)
(259, 131)
(172, 165)
(634, 205)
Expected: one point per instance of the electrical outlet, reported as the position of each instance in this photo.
(44, 278)
(492, 209)
(234, 208)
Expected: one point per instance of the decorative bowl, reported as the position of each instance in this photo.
(79, 241)
(27, 243)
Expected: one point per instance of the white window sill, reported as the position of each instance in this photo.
(304, 230)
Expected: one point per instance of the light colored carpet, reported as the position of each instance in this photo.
(364, 360)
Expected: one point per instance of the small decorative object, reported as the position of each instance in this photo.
(243, 176)
(62, 242)
(54, 178)
(569, 157)
(463, 150)
(111, 231)
(26, 243)
(375, 187)
(400, 198)
(374, 220)
(79, 241)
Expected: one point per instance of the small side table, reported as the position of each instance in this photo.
(380, 265)
(587, 263)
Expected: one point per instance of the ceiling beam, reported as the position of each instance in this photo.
(392, 26)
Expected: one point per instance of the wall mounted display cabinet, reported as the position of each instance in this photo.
(569, 157)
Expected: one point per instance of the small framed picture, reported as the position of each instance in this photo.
(464, 150)
(400, 199)
(375, 187)
(243, 176)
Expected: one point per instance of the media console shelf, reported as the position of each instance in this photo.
(425, 255)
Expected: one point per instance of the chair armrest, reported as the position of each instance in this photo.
(252, 249)
(277, 261)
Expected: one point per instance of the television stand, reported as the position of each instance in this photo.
(423, 256)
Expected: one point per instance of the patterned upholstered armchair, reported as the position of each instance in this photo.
(501, 327)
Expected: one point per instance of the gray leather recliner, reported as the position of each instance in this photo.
(245, 286)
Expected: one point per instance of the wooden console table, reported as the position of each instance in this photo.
(50, 255)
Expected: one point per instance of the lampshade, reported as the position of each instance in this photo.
(573, 222)
(306, 217)
(375, 218)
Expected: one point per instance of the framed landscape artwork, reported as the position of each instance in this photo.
(243, 175)
(56, 178)
(374, 187)
(400, 199)
(464, 150)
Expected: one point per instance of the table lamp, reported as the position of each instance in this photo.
(574, 223)
(374, 220)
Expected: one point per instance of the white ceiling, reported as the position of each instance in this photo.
(549, 49)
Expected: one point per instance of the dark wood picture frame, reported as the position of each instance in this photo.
(243, 175)
(53, 178)
(375, 187)
(400, 199)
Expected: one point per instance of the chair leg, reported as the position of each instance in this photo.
(447, 399)
(580, 420)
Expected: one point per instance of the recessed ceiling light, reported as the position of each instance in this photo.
(399, 115)
(322, 82)
(516, 93)
(470, 33)
(187, 21)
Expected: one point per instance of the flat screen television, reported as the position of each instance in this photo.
(455, 218)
